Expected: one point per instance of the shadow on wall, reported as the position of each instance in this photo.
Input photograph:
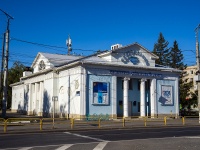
(23, 109)
(62, 110)
(46, 105)
(162, 100)
(26, 97)
(20, 108)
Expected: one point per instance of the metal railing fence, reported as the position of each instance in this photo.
(10, 125)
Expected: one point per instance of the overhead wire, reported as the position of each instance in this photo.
(51, 46)
(13, 55)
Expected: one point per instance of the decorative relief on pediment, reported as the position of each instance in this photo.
(135, 57)
(41, 65)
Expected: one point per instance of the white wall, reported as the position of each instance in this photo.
(49, 93)
(17, 98)
(69, 86)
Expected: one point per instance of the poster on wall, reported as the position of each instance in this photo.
(167, 98)
(100, 93)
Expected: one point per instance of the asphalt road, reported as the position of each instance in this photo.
(127, 139)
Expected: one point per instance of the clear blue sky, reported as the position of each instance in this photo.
(97, 24)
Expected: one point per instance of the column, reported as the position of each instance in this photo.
(142, 97)
(30, 100)
(68, 99)
(176, 97)
(41, 95)
(153, 98)
(114, 96)
(36, 99)
(125, 101)
(83, 93)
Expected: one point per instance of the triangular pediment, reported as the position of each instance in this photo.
(133, 54)
(40, 63)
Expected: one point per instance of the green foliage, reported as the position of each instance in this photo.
(14, 75)
(176, 61)
(162, 51)
(193, 100)
(176, 57)
(173, 57)
(184, 88)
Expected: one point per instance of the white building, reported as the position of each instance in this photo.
(124, 81)
(189, 75)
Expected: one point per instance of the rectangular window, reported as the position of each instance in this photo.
(121, 103)
(191, 71)
(147, 85)
(130, 85)
(138, 106)
(138, 85)
(100, 93)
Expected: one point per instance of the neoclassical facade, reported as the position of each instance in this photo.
(122, 82)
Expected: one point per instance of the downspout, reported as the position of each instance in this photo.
(68, 115)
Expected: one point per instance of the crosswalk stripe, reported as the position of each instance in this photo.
(87, 137)
(25, 148)
(193, 137)
(64, 147)
(100, 146)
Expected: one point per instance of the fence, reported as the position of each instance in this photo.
(11, 125)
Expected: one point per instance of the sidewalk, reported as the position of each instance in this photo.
(26, 124)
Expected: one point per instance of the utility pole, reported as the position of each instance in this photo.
(5, 80)
(1, 76)
(198, 66)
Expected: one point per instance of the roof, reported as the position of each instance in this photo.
(60, 61)
(95, 60)
(92, 57)
(56, 59)
(17, 83)
(120, 48)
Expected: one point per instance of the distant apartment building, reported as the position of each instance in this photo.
(189, 74)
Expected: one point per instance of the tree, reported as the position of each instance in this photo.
(176, 57)
(162, 51)
(14, 75)
(184, 88)
(187, 98)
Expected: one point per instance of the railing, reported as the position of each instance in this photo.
(90, 122)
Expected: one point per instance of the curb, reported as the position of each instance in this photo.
(93, 129)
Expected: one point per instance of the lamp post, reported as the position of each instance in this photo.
(54, 98)
(5, 80)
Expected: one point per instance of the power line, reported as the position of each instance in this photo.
(46, 45)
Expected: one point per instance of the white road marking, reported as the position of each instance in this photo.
(194, 137)
(100, 146)
(64, 147)
(25, 148)
(87, 137)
